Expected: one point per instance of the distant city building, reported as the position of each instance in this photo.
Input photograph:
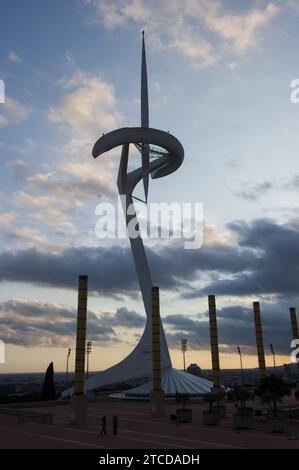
(194, 369)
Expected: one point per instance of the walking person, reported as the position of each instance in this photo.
(115, 425)
(104, 424)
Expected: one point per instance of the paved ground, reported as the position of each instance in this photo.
(137, 429)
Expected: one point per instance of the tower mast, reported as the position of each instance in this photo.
(144, 119)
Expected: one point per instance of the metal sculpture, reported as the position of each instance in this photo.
(161, 155)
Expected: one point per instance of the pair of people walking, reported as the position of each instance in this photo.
(114, 426)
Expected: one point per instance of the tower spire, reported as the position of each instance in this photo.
(144, 88)
(144, 119)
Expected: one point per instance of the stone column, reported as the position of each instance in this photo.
(78, 406)
(214, 344)
(259, 339)
(157, 395)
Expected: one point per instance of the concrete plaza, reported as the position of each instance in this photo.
(137, 429)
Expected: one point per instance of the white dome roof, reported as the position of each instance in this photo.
(174, 381)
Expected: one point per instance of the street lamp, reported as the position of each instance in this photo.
(88, 351)
(67, 365)
(184, 347)
(241, 364)
(273, 354)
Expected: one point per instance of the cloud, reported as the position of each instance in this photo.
(20, 169)
(235, 328)
(7, 219)
(204, 31)
(88, 107)
(69, 57)
(34, 323)
(46, 210)
(73, 182)
(12, 112)
(252, 192)
(293, 6)
(239, 30)
(58, 196)
(137, 10)
(213, 236)
(292, 184)
(255, 259)
(29, 146)
(260, 257)
(14, 58)
(124, 318)
(274, 260)
(109, 13)
(31, 238)
(111, 270)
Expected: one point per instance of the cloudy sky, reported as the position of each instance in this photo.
(220, 74)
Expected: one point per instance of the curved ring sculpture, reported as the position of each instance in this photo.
(163, 166)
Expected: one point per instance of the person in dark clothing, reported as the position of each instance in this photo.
(115, 425)
(103, 430)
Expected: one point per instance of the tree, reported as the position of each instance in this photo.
(272, 389)
(214, 397)
(240, 395)
(49, 392)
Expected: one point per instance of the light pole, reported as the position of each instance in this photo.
(67, 365)
(241, 365)
(184, 347)
(273, 354)
(88, 351)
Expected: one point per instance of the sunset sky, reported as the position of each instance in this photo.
(220, 74)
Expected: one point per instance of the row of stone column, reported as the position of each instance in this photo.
(78, 403)
(258, 334)
(78, 399)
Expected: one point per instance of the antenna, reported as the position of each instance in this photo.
(144, 119)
